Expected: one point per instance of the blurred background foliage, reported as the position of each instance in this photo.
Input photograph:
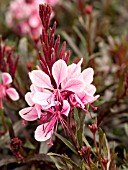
(96, 30)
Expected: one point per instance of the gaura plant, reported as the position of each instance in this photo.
(60, 96)
(56, 87)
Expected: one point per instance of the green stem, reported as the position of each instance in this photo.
(3, 119)
(10, 129)
(97, 150)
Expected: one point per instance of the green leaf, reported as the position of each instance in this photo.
(125, 153)
(3, 119)
(57, 163)
(103, 144)
(81, 36)
(106, 149)
(80, 132)
(67, 160)
(79, 118)
(86, 142)
(101, 134)
(72, 44)
(67, 142)
(94, 167)
(29, 145)
(84, 166)
(23, 49)
(113, 157)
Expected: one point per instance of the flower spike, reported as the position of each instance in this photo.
(58, 87)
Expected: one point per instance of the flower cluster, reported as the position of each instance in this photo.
(52, 102)
(23, 16)
(6, 90)
(8, 62)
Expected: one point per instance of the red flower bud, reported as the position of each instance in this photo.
(88, 9)
(15, 147)
(93, 128)
(104, 162)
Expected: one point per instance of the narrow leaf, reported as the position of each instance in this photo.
(77, 119)
(72, 44)
(67, 142)
(94, 167)
(66, 159)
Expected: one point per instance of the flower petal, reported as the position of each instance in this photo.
(59, 71)
(43, 133)
(66, 108)
(38, 109)
(40, 79)
(34, 88)
(94, 98)
(29, 113)
(74, 69)
(90, 89)
(79, 101)
(91, 99)
(28, 98)
(12, 93)
(41, 98)
(86, 97)
(88, 75)
(7, 79)
(74, 85)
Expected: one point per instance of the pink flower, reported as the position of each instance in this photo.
(23, 16)
(45, 131)
(61, 87)
(57, 95)
(87, 95)
(34, 111)
(6, 90)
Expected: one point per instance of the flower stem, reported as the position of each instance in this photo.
(99, 156)
(3, 119)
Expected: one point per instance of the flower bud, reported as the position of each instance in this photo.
(88, 9)
(93, 128)
(85, 152)
(105, 162)
(15, 147)
(15, 144)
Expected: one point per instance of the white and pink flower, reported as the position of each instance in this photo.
(23, 16)
(6, 90)
(67, 88)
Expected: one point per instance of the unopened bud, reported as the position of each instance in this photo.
(93, 128)
(15, 147)
(15, 144)
(29, 66)
(88, 9)
(24, 122)
(105, 162)
(8, 48)
(86, 152)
